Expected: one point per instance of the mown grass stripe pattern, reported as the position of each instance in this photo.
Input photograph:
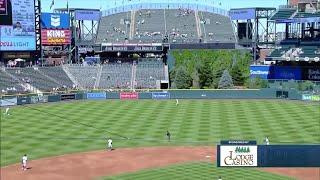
(200, 170)
(35, 131)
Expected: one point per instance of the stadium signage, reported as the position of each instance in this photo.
(238, 156)
(55, 20)
(242, 14)
(307, 97)
(9, 102)
(128, 95)
(314, 74)
(92, 15)
(55, 37)
(3, 7)
(132, 47)
(160, 95)
(64, 97)
(97, 96)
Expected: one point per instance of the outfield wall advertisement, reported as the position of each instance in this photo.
(307, 97)
(9, 102)
(238, 156)
(160, 95)
(129, 95)
(97, 96)
(17, 25)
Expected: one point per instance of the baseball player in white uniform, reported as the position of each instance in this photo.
(110, 144)
(267, 141)
(177, 102)
(7, 111)
(24, 162)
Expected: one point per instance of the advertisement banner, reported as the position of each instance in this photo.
(128, 95)
(55, 21)
(286, 72)
(65, 97)
(8, 102)
(23, 100)
(307, 97)
(17, 25)
(87, 15)
(160, 95)
(55, 37)
(242, 14)
(132, 47)
(262, 72)
(312, 74)
(238, 156)
(97, 96)
(39, 99)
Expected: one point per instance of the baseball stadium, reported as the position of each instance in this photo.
(162, 89)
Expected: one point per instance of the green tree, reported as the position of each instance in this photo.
(225, 81)
(182, 78)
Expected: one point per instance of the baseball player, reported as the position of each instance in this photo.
(177, 102)
(24, 162)
(7, 111)
(266, 140)
(168, 135)
(109, 144)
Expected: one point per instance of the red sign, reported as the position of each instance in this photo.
(128, 95)
(55, 37)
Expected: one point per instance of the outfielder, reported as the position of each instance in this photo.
(266, 140)
(109, 144)
(177, 102)
(24, 162)
(7, 111)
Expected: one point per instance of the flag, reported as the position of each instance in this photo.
(52, 3)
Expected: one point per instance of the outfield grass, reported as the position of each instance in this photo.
(201, 170)
(52, 129)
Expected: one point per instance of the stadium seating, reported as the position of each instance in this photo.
(86, 76)
(216, 28)
(114, 28)
(149, 25)
(58, 74)
(154, 25)
(116, 76)
(148, 72)
(34, 77)
(9, 84)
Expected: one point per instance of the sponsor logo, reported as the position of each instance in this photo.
(125, 95)
(160, 95)
(307, 97)
(96, 95)
(258, 72)
(232, 156)
(55, 20)
(314, 74)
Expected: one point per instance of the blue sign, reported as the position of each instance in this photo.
(262, 72)
(96, 96)
(242, 14)
(55, 21)
(9, 102)
(286, 72)
(276, 72)
(160, 95)
(87, 15)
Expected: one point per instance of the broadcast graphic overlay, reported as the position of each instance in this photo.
(242, 153)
